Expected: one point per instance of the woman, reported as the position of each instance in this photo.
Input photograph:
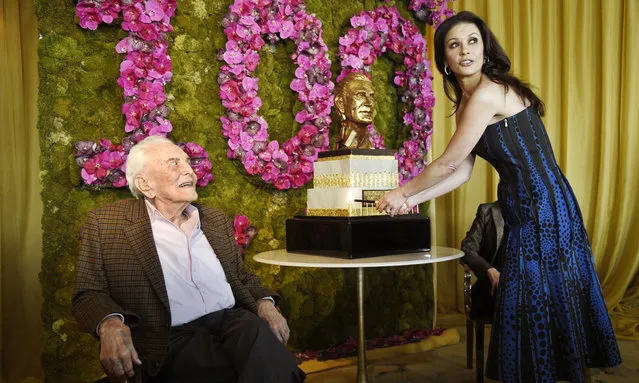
(550, 319)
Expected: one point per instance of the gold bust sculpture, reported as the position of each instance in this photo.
(355, 105)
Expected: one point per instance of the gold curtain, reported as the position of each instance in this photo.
(577, 53)
(580, 57)
(20, 203)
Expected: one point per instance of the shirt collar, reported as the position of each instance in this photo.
(190, 212)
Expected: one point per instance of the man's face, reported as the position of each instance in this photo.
(168, 175)
(359, 101)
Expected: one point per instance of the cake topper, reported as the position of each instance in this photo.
(355, 105)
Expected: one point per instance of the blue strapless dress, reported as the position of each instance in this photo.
(550, 321)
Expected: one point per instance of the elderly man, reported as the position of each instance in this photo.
(355, 105)
(160, 282)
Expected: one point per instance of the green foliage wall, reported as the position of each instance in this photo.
(80, 99)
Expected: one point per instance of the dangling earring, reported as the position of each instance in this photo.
(446, 70)
(486, 59)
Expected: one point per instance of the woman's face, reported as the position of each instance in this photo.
(464, 49)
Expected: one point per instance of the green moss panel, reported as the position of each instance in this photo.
(80, 100)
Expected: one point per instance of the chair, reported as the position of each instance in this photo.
(477, 330)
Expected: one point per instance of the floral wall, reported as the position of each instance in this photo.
(80, 99)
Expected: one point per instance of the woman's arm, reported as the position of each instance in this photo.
(477, 114)
(450, 183)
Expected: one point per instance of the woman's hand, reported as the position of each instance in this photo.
(393, 202)
(493, 277)
(406, 208)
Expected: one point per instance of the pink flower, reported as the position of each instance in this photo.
(230, 128)
(123, 46)
(251, 60)
(107, 144)
(291, 145)
(131, 13)
(204, 179)
(169, 7)
(306, 166)
(249, 84)
(233, 56)
(287, 30)
(153, 12)
(193, 150)
(381, 25)
(243, 230)
(241, 223)
(399, 79)
(319, 92)
(111, 159)
(364, 51)
(283, 183)
(270, 172)
(146, 90)
(88, 15)
(273, 26)
(89, 178)
(348, 39)
(230, 91)
(352, 61)
(306, 133)
(133, 112)
(94, 168)
(119, 180)
(241, 31)
(149, 32)
(131, 26)
(164, 125)
(246, 141)
(160, 67)
(299, 85)
(140, 60)
(363, 21)
(251, 164)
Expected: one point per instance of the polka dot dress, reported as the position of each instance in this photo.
(550, 319)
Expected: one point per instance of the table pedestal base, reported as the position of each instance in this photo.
(362, 375)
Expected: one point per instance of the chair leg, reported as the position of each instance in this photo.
(470, 334)
(588, 376)
(479, 333)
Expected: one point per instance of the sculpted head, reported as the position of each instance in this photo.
(355, 99)
(160, 171)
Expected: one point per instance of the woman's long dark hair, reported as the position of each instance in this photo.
(496, 68)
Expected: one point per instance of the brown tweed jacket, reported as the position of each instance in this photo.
(118, 271)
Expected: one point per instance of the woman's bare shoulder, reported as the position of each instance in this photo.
(490, 92)
(504, 102)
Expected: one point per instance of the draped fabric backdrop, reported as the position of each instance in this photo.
(576, 53)
(20, 203)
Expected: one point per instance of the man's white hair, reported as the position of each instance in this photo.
(136, 160)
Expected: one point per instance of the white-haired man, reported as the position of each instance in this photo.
(160, 282)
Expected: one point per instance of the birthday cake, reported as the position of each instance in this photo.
(341, 218)
(344, 180)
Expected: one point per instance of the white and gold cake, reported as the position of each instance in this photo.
(343, 176)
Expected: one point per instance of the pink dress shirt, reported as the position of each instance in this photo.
(194, 278)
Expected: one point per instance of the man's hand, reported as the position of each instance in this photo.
(267, 311)
(493, 277)
(117, 354)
